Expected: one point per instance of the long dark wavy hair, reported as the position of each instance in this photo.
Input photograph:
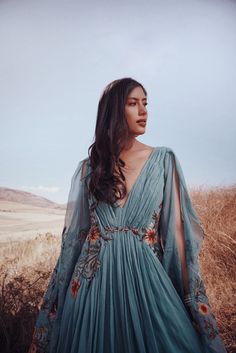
(112, 133)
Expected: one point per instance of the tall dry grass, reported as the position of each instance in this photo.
(25, 268)
(216, 208)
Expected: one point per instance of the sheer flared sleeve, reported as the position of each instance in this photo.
(76, 227)
(182, 235)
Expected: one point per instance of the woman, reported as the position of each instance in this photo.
(127, 279)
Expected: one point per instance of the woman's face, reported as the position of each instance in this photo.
(136, 111)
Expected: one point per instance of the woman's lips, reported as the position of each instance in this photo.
(142, 123)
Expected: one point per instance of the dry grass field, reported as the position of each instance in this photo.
(25, 267)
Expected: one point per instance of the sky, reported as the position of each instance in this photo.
(58, 56)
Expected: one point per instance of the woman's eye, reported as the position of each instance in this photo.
(135, 103)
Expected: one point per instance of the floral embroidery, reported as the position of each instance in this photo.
(75, 287)
(122, 229)
(148, 234)
(152, 235)
(88, 262)
(203, 315)
(203, 308)
(94, 234)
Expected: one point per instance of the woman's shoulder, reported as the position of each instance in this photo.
(167, 155)
(170, 155)
(85, 165)
(82, 169)
(166, 150)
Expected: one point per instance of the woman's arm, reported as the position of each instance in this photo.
(76, 227)
(182, 235)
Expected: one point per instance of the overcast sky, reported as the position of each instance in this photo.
(57, 57)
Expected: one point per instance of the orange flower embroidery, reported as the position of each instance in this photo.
(75, 287)
(94, 234)
(150, 236)
(203, 308)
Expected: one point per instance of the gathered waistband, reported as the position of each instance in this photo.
(122, 228)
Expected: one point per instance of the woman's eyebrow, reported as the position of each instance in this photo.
(137, 98)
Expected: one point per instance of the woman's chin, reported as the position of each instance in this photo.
(142, 130)
(137, 133)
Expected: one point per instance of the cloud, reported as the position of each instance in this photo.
(50, 189)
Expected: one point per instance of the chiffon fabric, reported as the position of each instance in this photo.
(120, 281)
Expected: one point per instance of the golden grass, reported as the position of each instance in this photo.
(25, 268)
(216, 208)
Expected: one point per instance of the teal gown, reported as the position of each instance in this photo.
(117, 286)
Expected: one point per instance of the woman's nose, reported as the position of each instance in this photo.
(142, 111)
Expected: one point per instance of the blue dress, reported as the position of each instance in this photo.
(118, 285)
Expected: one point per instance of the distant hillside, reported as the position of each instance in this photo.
(24, 197)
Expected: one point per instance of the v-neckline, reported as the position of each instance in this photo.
(136, 180)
